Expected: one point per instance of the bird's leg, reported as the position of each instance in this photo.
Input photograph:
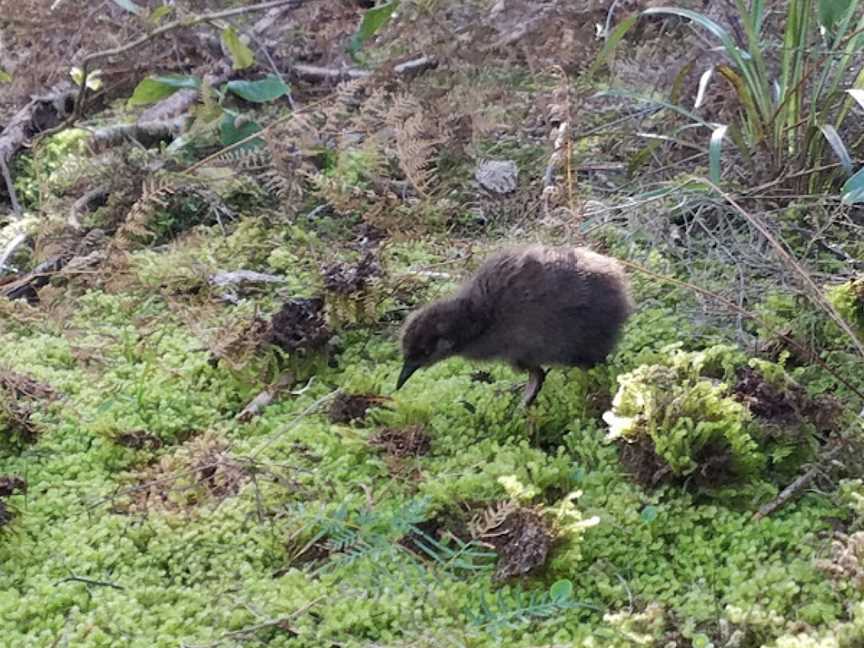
(536, 376)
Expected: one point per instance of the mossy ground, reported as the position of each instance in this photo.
(153, 516)
(82, 565)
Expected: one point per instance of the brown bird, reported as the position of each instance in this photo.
(528, 306)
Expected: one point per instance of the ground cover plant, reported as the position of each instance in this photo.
(214, 218)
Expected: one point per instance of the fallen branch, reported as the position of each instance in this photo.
(87, 203)
(793, 490)
(9, 250)
(262, 400)
(88, 581)
(222, 279)
(147, 133)
(318, 73)
(283, 623)
(10, 187)
(27, 285)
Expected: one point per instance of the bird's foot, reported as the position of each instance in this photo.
(532, 387)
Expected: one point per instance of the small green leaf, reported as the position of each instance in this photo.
(93, 80)
(159, 13)
(649, 514)
(241, 55)
(853, 189)
(129, 6)
(230, 132)
(179, 80)
(149, 91)
(561, 590)
(77, 75)
(5, 77)
(152, 89)
(372, 21)
(267, 89)
(715, 149)
(702, 641)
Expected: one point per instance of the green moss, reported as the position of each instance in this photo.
(848, 299)
(79, 567)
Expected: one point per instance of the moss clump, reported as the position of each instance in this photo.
(848, 299)
(711, 417)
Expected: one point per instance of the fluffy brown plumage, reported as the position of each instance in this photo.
(528, 306)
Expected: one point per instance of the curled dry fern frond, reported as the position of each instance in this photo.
(490, 518)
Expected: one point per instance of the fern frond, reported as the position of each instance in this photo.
(417, 141)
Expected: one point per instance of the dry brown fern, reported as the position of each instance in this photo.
(156, 193)
(493, 516)
(418, 137)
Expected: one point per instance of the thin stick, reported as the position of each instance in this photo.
(88, 581)
(786, 256)
(794, 489)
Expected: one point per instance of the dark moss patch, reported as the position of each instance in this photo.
(402, 442)
(522, 540)
(445, 526)
(790, 405)
(346, 279)
(351, 408)
(20, 397)
(642, 463)
(481, 376)
(649, 470)
(139, 440)
(299, 326)
(9, 485)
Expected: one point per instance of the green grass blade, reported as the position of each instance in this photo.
(715, 150)
(757, 15)
(732, 49)
(660, 102)
(607, 52)
(839, 147)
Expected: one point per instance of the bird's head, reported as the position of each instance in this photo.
(429, 336)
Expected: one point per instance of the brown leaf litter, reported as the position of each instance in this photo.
(299, 326)
(402, 443)
(20, 397)
(202, 470)
(520, 536)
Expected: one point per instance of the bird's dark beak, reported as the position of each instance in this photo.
(407, 370)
